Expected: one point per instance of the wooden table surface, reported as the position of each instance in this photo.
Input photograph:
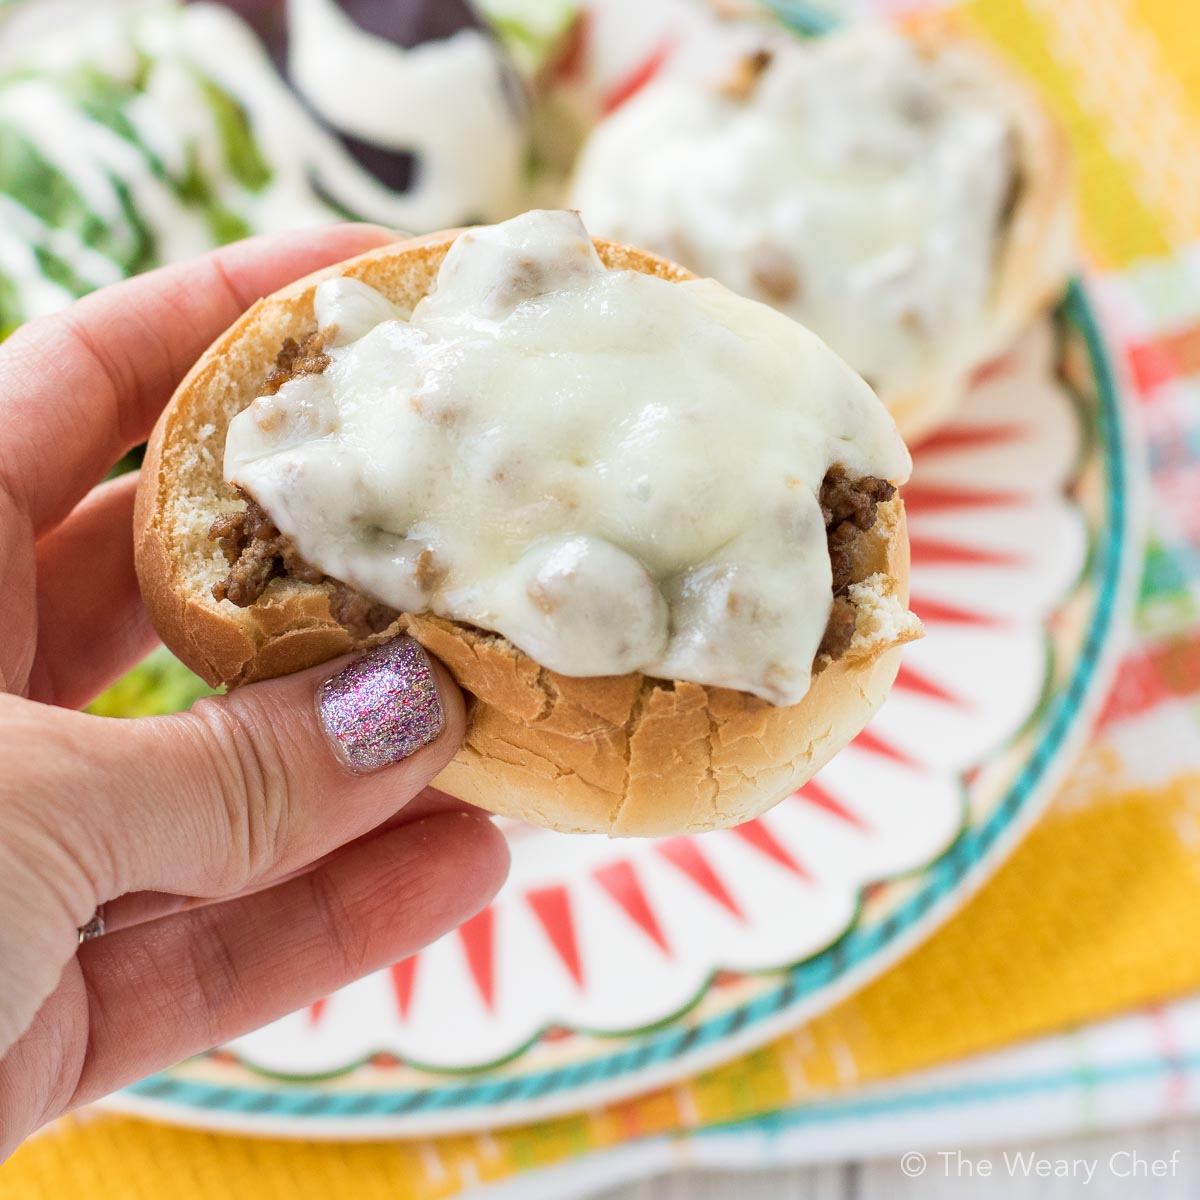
(884, 1180)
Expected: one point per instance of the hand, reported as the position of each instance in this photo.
(245, 869)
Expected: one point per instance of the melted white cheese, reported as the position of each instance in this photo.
(615, 472)
(856, 186)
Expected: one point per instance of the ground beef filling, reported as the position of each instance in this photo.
(257, 552)
(850, 507)
(297, 358)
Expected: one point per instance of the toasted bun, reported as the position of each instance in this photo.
(1035, 249)
(619, 755)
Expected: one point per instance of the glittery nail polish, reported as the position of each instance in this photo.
(382, 708)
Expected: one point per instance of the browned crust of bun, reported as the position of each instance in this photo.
(623, 755)
(631, 755)
(1035, 250)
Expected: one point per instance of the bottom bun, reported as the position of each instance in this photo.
(635, 756)
(625, 755)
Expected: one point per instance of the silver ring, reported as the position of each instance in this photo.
(94, 928)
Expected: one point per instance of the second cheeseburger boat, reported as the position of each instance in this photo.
(651, 527)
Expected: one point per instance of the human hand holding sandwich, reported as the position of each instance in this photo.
(496, 444)
(247, 857)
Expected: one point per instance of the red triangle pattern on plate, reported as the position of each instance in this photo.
(934, 612)
(909, 679)
(994, 369)
(873, 743)
(969, 437)
(756, 834)
(620, 881)
(685, 855)
(819, 797)
(629, 86)
(937, 552)
(936, 497)
(552, 907)
(403, 976)
(478, 937)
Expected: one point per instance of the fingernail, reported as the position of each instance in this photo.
(383, 707)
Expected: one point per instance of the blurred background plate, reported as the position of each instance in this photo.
(609, 968)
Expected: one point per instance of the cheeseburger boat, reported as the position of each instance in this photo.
(900, 193)
(650, 527)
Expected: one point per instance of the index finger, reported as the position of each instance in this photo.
(79, 388)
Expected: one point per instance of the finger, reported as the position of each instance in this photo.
(137, 908)
(92, 626)
(78, 388)
(168, 990)
(18, 581)
(161, 992)
(241, 792)
(245, 788)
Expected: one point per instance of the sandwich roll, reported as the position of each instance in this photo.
(650, 527)
(899, 193)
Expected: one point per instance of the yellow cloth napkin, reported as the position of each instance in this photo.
(1097, 911)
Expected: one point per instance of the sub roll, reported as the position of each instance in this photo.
(651, 527)
(901, 194)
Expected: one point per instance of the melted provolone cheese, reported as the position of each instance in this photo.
(615, 472)
(855, 184)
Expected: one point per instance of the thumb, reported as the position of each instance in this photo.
(250, 787)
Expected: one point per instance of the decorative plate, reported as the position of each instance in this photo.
(609, 967)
